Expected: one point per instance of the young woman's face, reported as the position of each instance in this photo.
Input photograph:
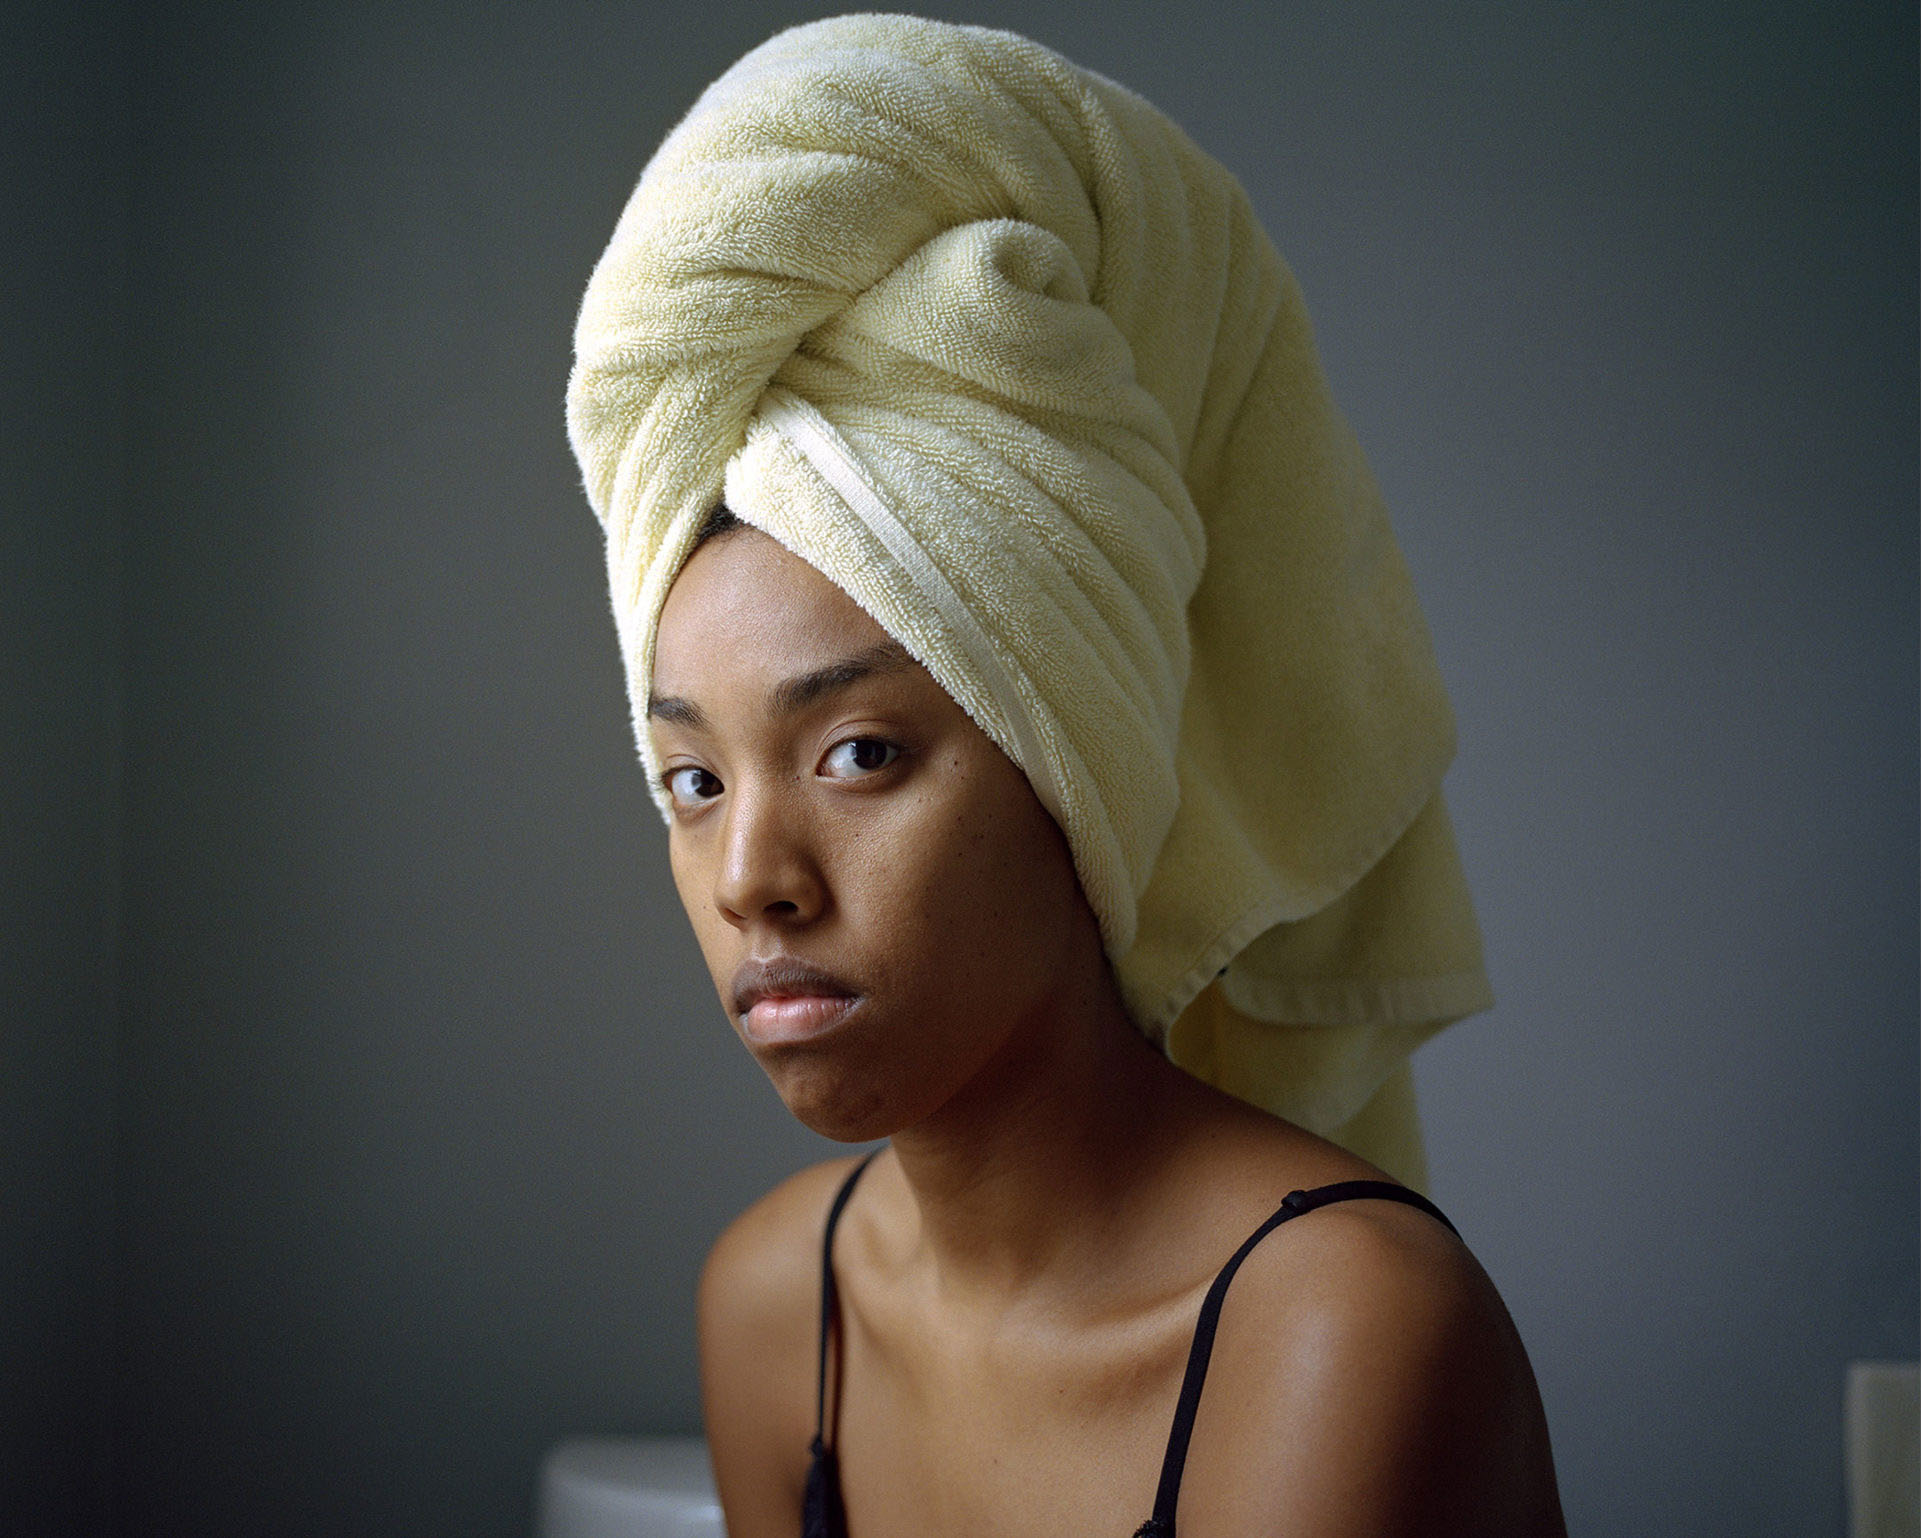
(884, 904)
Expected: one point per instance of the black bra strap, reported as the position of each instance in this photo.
(1161, 1524)
(829, 1296)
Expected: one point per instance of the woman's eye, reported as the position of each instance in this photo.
(691, 784)
(860, 755)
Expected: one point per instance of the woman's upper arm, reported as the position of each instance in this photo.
(758, 1314)
(1394, 1399)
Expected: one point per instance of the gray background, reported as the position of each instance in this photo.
(366, 1113)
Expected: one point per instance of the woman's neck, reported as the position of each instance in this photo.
(1030, 1178)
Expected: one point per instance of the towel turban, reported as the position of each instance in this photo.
(988, 340)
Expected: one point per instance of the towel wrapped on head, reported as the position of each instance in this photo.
(990, 342)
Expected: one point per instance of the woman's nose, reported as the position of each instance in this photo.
(767, 871)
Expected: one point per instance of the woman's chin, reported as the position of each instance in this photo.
(831, 1102)
(842, 1127)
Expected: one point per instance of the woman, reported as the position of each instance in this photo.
(1049, 745)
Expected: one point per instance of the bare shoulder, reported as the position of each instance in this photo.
(761, 1279)
(753, 1267)
(758, 1310)
(1369, 1378)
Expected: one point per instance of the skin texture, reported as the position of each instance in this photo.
(1021, 1270)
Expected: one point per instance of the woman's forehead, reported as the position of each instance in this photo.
(747, 612)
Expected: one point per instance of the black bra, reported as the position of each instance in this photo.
(824, 1516)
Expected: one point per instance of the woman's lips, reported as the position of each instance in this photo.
(774, 1021)
(784, 999)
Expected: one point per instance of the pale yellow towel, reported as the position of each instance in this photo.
(988, 340)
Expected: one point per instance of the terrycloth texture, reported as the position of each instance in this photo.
(988, 340)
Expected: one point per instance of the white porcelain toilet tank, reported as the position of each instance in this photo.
(628, 1487)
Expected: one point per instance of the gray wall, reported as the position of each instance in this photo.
(425, 1114)
(64, 177)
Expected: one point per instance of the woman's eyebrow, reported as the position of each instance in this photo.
(792, 695)
(671, 707)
